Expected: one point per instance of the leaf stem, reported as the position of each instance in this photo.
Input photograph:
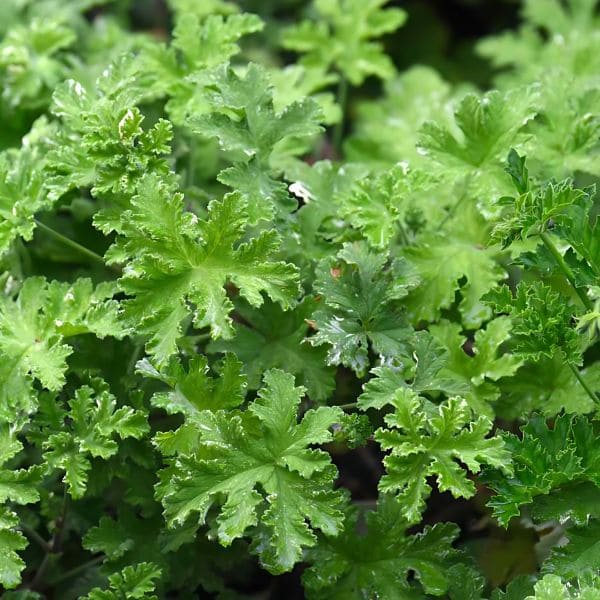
(190, 175)
(584, 383)
(349, 406)
(137, 350)
(564, 267)
(454, 208)
(36, 537)
(342, 99)
(54, 546)
(78, 569)
(69, 242)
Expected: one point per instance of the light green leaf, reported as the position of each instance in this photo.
(424, 441)
(180, 265)
(265, 446)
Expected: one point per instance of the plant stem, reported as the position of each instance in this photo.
(454, 208)
(349, 406)
(78, 569)
(137, 350)
(69, 242)
(39, 574)
(190, 174)
(54, 546)
(342, 99)
(567, 272)
(584, 383)
(36, 537)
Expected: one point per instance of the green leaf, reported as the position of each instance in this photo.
(33, 329)
(296, 82)
(19, 486)
(426, 442)
(267, 447)
(11, 540)
(425, 371)
(361, 309)
(22, 194)
(88, 430)
(101, 143)
(192, 391)
(386, 129)
(580, 555)
(201, 41)
(548, 386)
(551, 587)
(273, 338)
(544, 459)
(488, 126)
(380, 206)
(447, 265)
(209, 42)
(109, 538)
(479, 370)
(180, 265)
(342, 38)
(534, 211)
(376, 564)
(135, 581)
(257, 139)
(32, 62)
(186, 8)
(541, 322)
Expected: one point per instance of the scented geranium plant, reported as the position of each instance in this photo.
(281, 318)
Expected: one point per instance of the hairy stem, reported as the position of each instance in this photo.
(566, 270)
(349, 406)
(584, 383)
(69, 242)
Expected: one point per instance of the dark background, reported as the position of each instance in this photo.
(440, 33)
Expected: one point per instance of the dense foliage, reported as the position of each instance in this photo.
(271, 304)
